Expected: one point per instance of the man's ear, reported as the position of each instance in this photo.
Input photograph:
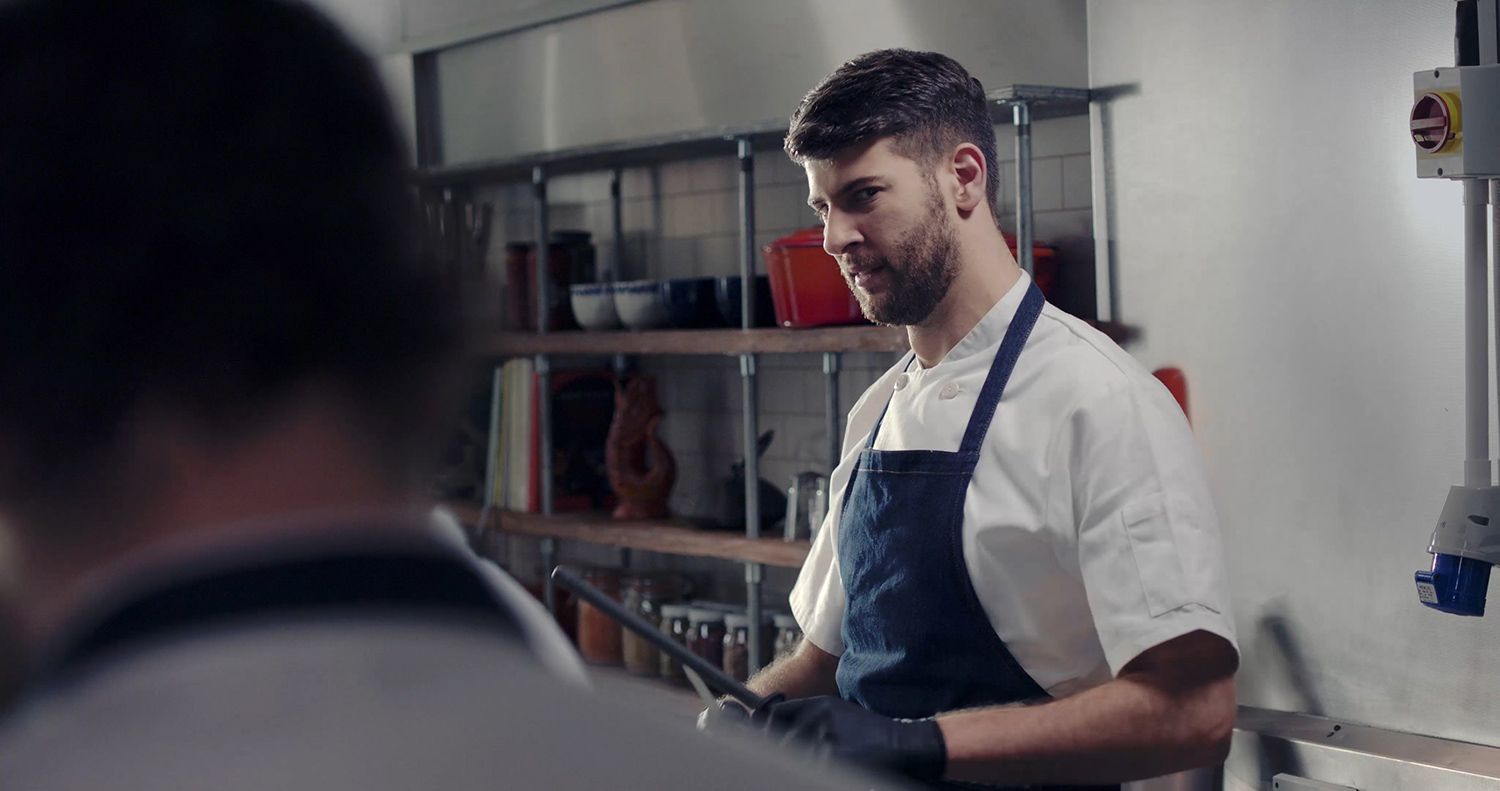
(971, 187)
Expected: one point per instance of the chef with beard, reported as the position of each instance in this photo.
(1020, 582)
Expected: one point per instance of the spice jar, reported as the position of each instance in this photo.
(644, 596)
(737, 646)
(788, 635)
(599, 636)
(706, 637)
(675, 625)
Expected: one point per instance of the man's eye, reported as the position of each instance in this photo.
(864, 195)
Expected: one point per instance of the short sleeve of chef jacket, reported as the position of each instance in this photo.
(1125, 508)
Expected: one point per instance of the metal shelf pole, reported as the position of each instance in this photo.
(753, 571)
(831, 408)
(621, 364)
(1021, 116)
(492, 452)
(617, 223)
(543, 276)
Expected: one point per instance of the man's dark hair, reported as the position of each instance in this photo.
(925, 101)
(202, 209)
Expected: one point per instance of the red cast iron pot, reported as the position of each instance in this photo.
(806, 286)
(809, 291)
(1043, 264)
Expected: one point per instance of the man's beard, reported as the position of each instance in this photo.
(919, 274)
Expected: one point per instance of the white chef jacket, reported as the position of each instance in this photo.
(1089, 534)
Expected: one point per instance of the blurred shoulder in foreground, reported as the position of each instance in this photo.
(223, 365)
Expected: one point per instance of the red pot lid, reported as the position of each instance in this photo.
(807, 237)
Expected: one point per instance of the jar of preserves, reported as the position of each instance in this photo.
(644, 596)
(737, 646)
(675, 625)
(788, 635)
(706, 637)
(599, 636)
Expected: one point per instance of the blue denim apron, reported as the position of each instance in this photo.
(917, 641)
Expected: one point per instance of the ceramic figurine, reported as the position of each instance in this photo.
(641, 469)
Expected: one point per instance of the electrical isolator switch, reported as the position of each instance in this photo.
(1436, 123)
(1455, 122)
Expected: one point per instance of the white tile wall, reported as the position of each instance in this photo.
(1046, 184)
(1051, 137)
(681, 219)
(1077, 182)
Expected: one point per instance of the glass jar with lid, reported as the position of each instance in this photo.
(706, 635)
(788, 635)
(675, 625)
(737, 646)
(599, 636)
(645, 596)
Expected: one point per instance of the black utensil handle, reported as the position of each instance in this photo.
(713, 676)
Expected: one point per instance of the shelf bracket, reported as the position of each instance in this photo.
(1021, 113)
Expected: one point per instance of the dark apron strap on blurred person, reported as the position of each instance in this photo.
(405, 579)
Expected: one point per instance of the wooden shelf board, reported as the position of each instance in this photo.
(770, 341)
(667, 536)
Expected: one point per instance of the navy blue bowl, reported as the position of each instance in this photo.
(690, 303)
(727, 290)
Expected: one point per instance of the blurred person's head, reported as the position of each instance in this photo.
(212, 304)
(899, 150)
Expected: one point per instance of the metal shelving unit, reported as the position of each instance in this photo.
(1019, 104)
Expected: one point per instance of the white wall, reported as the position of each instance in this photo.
(1272, 239)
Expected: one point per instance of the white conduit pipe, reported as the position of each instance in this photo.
(1495, 261)
(1476, 333)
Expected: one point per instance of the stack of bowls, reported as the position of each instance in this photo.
(683, 303)
(727, 292)
(640, 305)
(690, 303)
(594, 306)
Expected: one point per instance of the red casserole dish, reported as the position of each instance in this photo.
(808, 290)
(1043, 264)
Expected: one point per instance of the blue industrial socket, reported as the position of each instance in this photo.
(1455, 585)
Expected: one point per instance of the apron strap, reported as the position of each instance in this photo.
(1005, 362)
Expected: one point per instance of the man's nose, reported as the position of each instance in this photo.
(840, 233)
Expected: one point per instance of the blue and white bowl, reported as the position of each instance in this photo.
(639, 304)
(594, 306)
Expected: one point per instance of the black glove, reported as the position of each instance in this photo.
(914, 748)
(730, 710)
